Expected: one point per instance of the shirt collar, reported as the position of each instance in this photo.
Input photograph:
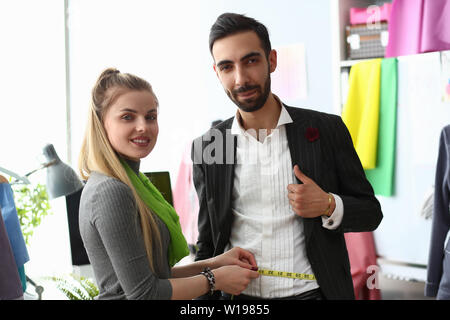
(284, 118)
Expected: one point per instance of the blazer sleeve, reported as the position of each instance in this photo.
(362, 211)
(205, 241)
(441, 216)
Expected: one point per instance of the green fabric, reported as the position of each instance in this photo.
(382, 177)
(178, 247)
(23, 277)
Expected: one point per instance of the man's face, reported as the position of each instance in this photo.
(243, 69)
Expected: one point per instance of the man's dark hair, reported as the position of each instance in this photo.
(231, 23)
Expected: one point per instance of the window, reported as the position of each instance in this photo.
(33, 113)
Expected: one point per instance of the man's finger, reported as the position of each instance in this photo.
(295, 188)
(301, 176)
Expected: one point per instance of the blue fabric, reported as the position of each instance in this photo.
(23, 277)
(10, 283)
(9, 213)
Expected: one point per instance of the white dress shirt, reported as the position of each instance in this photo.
(264, 222)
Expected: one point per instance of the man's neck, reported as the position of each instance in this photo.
(264, 118)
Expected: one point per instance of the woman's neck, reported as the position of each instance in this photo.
(134, 165)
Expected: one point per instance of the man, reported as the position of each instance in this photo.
(282, 182)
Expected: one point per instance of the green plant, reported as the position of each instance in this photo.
(75, 287)
(32, 205)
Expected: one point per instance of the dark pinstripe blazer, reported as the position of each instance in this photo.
(331, 161)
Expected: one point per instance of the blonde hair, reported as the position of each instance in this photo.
(97, 154)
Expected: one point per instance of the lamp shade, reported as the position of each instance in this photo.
(61, 178)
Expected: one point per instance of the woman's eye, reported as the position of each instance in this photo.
(126, 117)
(151, 117)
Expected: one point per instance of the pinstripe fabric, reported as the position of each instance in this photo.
(264, 222)
(331, 161)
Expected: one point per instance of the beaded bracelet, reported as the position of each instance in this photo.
(211, 279)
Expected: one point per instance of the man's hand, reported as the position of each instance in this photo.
(308, 200)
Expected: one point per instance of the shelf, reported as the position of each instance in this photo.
(340, 18)
(402, 270)
(349, 63)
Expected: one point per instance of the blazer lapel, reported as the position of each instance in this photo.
(305, 153)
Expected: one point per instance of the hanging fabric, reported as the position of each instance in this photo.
(185, 199)
(382, 177)
(10, 284)
(9, 214)
(361, 111)
(362, 256)
(418, 26)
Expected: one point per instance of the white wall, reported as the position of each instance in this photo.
(166, 42)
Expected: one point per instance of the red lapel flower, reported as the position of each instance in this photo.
(312, 134)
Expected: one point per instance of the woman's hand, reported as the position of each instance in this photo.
(233, 279)
(236, 256)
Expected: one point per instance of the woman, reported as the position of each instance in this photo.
(131, 234)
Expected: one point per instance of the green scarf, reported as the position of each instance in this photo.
(178, 247)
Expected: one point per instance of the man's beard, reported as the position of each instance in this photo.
(255, 105)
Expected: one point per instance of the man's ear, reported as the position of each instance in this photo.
(215, 69)
(273, 60)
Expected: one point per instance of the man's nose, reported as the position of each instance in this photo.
(241, 77)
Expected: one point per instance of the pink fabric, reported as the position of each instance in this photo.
(404, 28)
(185, 198)
(417, 26)
(435, 26)
(362, 255)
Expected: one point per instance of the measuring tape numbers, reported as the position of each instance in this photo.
(283, 274)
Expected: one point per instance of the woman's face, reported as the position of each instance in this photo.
(131, 123)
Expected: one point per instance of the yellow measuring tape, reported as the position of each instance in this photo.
(283, 274)
(292, 275)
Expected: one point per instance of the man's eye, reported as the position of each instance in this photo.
(225, 67)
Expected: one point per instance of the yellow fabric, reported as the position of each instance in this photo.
(362, 109)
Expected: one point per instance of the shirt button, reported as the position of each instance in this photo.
(330, 222)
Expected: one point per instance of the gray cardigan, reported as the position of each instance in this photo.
(438, 278)
(111, 232)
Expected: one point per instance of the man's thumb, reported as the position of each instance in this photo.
(300, 175)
